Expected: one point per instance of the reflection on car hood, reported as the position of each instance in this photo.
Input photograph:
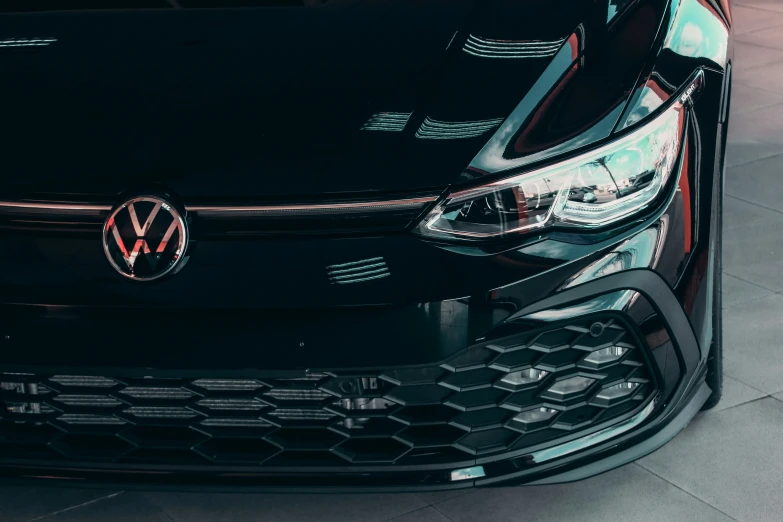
(305, 99)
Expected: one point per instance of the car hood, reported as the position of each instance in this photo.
(308, 99)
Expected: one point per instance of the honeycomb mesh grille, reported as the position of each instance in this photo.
(508, 394)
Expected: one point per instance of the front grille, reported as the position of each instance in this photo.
(528, 390)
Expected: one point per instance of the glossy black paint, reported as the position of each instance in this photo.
(266, 104)
(272, 101)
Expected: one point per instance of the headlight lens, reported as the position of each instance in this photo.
(591, 190)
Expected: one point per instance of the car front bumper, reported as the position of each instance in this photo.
(477, 444)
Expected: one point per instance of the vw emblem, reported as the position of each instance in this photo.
(145, 238)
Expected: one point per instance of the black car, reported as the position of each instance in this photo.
(357, 244)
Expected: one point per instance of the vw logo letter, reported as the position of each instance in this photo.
(145, 238)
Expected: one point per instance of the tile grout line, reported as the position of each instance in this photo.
(750, 283)
(163, 511)
(744, 83)
(149, 501)
(433, 506)
(776, 155)
(685, 491)
(739, 39)
(743, 164)
(459, 493)
(774, 292)
(77, 506)
(749, 301)
(743, 403)
(759, 28)
(776, 211)
(414, 511)
(756, 8)
(749, 386)
(739, 35)
(741, 72)
(411, 511)
(757, 285)
(763, 107)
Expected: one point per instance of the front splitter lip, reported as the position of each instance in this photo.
(623, 454)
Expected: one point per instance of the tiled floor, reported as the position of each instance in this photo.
(727, 465)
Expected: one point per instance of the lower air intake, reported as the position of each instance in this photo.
(536, 388)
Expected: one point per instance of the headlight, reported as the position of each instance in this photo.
(591, 190)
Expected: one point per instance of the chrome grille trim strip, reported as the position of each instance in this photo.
(53, 207)
(364, 206)
(27, 207)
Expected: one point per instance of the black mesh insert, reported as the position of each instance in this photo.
(507, 394)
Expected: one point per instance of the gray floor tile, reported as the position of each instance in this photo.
(737, 291)
(434, 497)
(765, 38)
(22, 503)
(731, 459)
(759, 264)
(422, 515)
(747, 56)
(772, 5)
(758, 182)
(193, 507)
(739, 152)
(629, 494)
(767, 78)
(754, 252)
(738, 213)
(761, 125)
(748, 19)
(127, 507)
(735, 393)
(745, 98)
(751, 343)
